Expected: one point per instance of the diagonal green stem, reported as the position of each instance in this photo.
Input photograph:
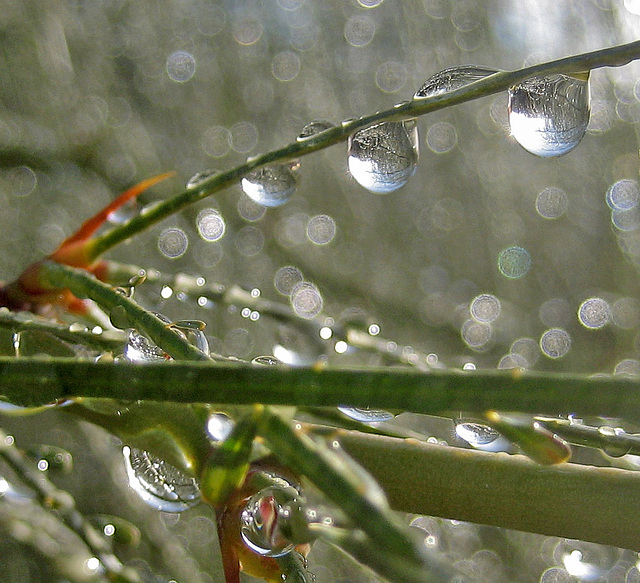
(84, 285)
(610, 57)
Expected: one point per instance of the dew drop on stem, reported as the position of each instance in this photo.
(480, 436)
(263, 518)
(382, 158)
(549, 115)
(452, 79)
(158, 483)
(313, 128)
(270, 186)
(365, 415)
(201, 177)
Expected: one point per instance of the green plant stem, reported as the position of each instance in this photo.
(27, 322)
(83, 285)
(501, 81)
(574, 501)
(33, 381)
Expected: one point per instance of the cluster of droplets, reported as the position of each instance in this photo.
(140, 349)
(548, 116)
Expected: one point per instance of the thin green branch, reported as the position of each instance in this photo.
(27, 322)
(501, 81)
(84, 285)
(33, 381)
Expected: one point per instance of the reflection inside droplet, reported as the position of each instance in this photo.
(451, 79)
(549, 115)
(481, 436)
(158, 483)
(383, 157)
(270, 186)
(366, 415)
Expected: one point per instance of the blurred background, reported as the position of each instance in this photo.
(96, 96)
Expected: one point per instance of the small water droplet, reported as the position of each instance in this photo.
(270, 186)
(485, 308)
(265, 360)
(313, 128)
(263, 518)
(587, 561)
(306, 300)
(123, 213)
(555, 343)
(198, 179)
(158, 483)
(366, 415)
(383, 157)
(514, 262)
(549, 115)
(594, 313)
(193, 332)
(297, 347)
(481, 436)
(219, 426)
(452, 79)
(210, 224)
(50, 457)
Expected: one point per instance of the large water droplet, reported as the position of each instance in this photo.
(158, 483)
(451, 79)
(549, 115)
(366, 415)
(219, 426)
(262, 519)
(383, 157)
(270, 186)
(481, 436)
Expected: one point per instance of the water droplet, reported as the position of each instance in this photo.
(514, 262)
(587, 561)
(555, 343)
(158, 483)
(452, 79)
(549, 115)
(270, 186)
(219, 426)
(50, 457)
(383, 157)
(140, 349)
(623, 195)
(197, 179)
(481, 436)
(173, 243)
(306, 300)
(485, 308)
(193, 332)
(297, 347)
(366, 415)
(286, 279)
(181, 66)
(527, 348)
(123, 213)
(265, 360)
(594, 313)
(321, 229)
(313, 128)
(116, 529)
(552, 202)
(262, 520)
